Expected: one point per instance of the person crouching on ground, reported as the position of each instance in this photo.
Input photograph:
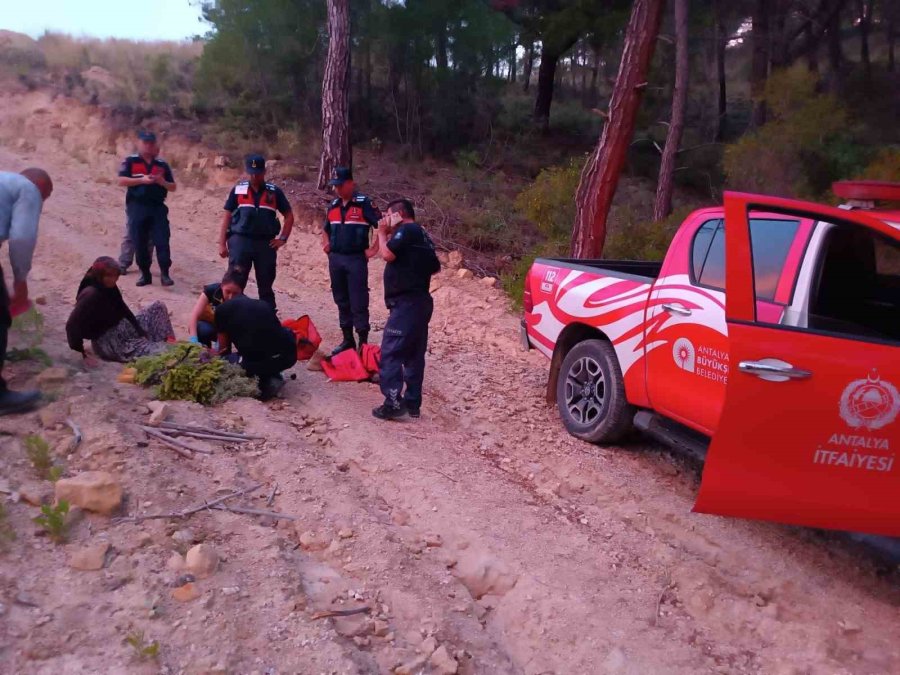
(101, 316)
(266, 348)
(201, 327)
(411, 260)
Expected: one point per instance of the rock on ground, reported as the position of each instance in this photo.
(442, 662)
(202, 560)
(482, 574)
(89, 558)
(95, 491)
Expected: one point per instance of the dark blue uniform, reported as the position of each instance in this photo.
(148, 215)
(254, 224)
(406, 293)
(347, 227)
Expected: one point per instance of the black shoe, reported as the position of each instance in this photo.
(389, 412)
(414, 411)
(363, 337)
(165, 279)
(123, 270)
(145, 279)
(18, 401)
(348, 343)
(270, 387)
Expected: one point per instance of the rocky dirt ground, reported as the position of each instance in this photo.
(482, 537)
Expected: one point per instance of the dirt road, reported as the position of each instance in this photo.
(481, 533)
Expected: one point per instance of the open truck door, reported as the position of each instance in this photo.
(810, 431)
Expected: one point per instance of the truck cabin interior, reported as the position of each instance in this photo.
(858, 282)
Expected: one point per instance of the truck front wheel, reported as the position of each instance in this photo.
(590, 393)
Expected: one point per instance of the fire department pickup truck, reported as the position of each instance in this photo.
(788, 382)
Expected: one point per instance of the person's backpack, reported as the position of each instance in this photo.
(308, 338)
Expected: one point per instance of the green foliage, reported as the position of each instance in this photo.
(549, 201)
(29, 354)
(513, 279)
(806, 145)
(29, 327)
(143, 650)
(38, 452)
(884, 166)
(54, 521)
(635, 238)
(189, 372)
(7, 533)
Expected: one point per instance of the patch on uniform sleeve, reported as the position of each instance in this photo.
(241, 188)
(398, 235)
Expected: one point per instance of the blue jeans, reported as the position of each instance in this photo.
(403, 349)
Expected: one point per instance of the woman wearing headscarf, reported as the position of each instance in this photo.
(101, 316)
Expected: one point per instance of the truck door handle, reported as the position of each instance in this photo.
(773, 370)
(676, 309)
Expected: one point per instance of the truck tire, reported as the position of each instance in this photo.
(590, 393)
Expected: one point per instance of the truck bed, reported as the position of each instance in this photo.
(629, 269)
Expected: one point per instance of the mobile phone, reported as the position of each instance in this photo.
(395, 219)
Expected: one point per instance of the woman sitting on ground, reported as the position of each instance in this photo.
(201, 326)
(101, 316)
(266, 348)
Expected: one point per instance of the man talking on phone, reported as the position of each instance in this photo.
(22, 197)
(411, 260)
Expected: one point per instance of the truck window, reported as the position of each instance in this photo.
(857, 289)
(771, 240)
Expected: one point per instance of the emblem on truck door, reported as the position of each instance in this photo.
(871, 403)
(684, 354)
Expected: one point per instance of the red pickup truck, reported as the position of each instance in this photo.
(788, 382)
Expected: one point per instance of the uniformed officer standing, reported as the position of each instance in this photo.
(148, 179)
(346, 241)
(411, 260)
(250, 233)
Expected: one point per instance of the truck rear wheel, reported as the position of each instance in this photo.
(590, 393)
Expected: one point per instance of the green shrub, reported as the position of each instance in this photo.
(191, 373)
(143, 650)
(549, 202)
(38, 452)
(513, 279)
(884, 166)
(806, 144)
(53, 520)
(7, 533)
(634, 238)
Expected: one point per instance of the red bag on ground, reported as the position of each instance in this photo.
(345, 367)
(371, 358)
(308, 338)
(353, 366)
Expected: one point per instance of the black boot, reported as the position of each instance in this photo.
(17, 401)
(165, 279)
(145, 279)
(390, 410)
(348, 343)
(270, 387)
(363, 338)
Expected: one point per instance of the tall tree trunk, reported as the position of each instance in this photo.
(527, 67)
(890, 29)
(441, 47)
(663, 206)
(759, 66)
(721, 41)
(336, 92)
(513, 62)
(545, 85)
(590, 96)
(835, 52)
(600, 176)
(865, 23)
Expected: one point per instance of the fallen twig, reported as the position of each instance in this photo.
(181, 448)
(76, 432)
(662, 594)
(194, 509)
(272, 495)
(252, 512)
(448, 477)
(205, 436)
(214, 432)
(327, 614)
